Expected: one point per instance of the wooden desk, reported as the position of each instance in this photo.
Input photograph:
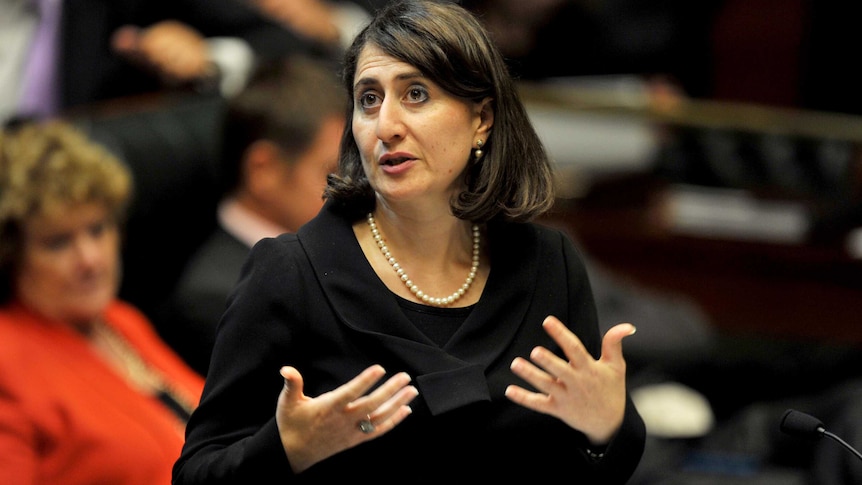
(781, 290)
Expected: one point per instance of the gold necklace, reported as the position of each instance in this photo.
(121, 355)
(429, 300)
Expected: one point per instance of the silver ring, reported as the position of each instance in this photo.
(366, 426)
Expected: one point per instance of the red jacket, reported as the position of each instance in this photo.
(67, 418)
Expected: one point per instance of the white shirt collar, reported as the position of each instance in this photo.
(244, 224)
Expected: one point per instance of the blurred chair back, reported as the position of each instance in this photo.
(172, 145)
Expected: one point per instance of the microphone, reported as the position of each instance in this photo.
(801, 425)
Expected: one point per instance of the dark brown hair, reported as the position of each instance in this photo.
(286, 101)
(514, 180)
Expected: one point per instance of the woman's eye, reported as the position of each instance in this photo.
(368, 100)
(98, 229)
(57, 242)
(417, 94)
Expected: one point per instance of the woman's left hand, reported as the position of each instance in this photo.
(587, 394)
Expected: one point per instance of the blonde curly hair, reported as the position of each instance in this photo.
(46, 167)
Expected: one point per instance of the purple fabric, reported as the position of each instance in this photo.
(39, 94)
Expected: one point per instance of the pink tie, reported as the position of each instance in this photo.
(39, 96)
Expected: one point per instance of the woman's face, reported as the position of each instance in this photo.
(70, 267)
(415, 138)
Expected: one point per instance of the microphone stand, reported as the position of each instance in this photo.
(796, 423)
(842, 442)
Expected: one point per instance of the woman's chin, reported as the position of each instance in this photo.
(89, 308)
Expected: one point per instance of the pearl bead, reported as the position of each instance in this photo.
(421, 295)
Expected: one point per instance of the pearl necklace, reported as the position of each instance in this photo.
(439, 302)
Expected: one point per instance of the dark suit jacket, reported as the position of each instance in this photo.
(90, 71)
(311, 300)
(188, 322)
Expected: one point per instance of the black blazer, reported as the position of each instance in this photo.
(311, 300)
(189, 317)
(91, 72)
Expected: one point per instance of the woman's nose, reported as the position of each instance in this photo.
(89, 250)
(390, 123)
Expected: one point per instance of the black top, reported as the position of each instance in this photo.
(438, 324)
(313, 301)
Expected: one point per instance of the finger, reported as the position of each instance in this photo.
(532, 400)
(612, 343)
(390, 387)
(394, 409)
(371, 403)
(571, 345)
(390, 421)
(400, 399)
(541, 380)
(386, 406)
(355, 388)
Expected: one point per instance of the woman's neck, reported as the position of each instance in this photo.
(435, 254)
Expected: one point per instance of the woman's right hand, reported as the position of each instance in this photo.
(174, 51)
(313, 429)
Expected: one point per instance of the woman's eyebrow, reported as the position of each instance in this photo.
(407, 76)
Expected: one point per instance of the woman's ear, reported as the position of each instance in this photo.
(486, 116)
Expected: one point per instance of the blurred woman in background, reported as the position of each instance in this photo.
(88, 391)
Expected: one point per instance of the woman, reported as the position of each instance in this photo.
(88, 392)
(485, 362)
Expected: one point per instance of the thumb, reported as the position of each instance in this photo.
(125, 40)
(292, 382)
(612, 343)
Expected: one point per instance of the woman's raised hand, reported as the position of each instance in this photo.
(313, 429)
(587, 394)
